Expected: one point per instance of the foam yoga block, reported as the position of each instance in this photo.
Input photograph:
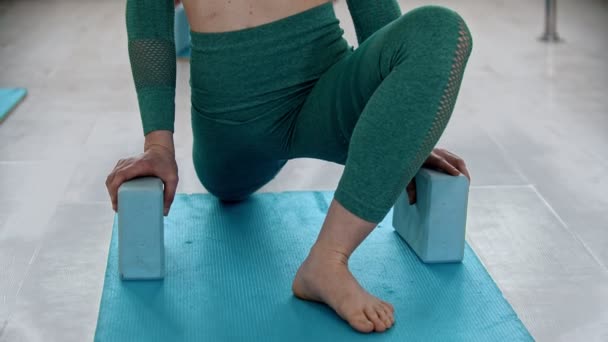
(434, 226)
(181, 32)
(141, 249)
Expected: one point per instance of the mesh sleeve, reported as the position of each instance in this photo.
(152, 56)
(371, 15)
(448, 99)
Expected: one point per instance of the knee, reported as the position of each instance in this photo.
(219, 188)
(231, 198)
(227, 194)
(437, 19)
(434, 14)
(435, 27)
(225, 191)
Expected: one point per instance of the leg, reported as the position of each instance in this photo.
(324, 275)
(228, 168)
(390, 101)
(235, 180)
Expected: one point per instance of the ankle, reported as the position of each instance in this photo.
(329, 252)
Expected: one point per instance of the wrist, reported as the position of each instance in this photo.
(159, 147)
(160, 139)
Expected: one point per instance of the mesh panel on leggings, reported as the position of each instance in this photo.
(152, 62)
(448, 99)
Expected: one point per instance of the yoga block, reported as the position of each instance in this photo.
(434, 227)
(141, 245)
(181, 32)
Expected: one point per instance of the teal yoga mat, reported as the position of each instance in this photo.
(229, 273)
(9, 98)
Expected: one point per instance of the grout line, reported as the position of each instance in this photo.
(20, 286)
(63, 202)
(4, 324)
(11, 268)
(510, 161)
(35, 254)
(21, 162)
(565, 225)
(507, 186)
(43, 219)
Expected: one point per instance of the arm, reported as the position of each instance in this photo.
(152, 56)
(371, 15)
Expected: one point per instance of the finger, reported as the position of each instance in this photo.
(432, 161)
(169, 194)
(120, 163)
(124, 174)
(450, 154)
(411, 191)
(446, 166)
(461, 165)
(110, 179)
(112, 193)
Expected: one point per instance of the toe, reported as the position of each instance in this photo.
(384, 316)
(389, 307)
(361, 323)
(389, 312)
(372, 315)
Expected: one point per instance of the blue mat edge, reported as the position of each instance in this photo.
(328, 196)
(17, 98)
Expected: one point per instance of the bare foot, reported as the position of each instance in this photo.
(324, 277)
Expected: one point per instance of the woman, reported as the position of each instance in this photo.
(274, 80)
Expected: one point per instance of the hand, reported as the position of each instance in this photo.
(441, 160)
(447, 162)
(158, 161)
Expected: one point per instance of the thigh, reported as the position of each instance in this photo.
(327, 118)
(228, 161)
(421, 47)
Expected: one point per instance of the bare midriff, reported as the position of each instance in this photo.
(232, 15)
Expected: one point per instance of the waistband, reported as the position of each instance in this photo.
(273, 31)
(266, 69)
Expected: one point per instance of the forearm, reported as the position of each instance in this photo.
(153, 62)
(371, 15)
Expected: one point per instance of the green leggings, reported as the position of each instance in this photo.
(294, 88)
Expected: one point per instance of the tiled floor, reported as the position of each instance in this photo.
(531, 121)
